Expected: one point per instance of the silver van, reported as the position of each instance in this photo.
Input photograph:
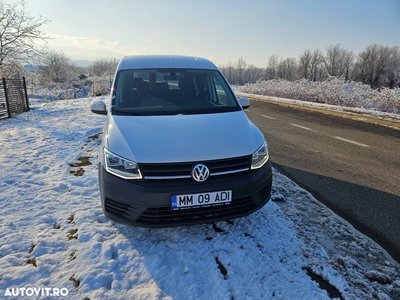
(177, 147)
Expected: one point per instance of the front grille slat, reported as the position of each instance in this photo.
(229, 172)
(164, 169)
(179, 173)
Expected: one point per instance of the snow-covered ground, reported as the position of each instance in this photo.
(333, 90)
(369, 113)
(55, 239)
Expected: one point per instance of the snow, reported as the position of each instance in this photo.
(369, 113)
(333, 91)
(54, 237)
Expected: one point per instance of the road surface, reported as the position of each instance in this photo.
(352, 167)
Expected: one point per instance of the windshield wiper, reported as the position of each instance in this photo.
(149, 112)
(127, 113)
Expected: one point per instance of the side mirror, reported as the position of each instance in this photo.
(99, 107)
(244, 102)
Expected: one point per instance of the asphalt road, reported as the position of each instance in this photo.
(352, 167)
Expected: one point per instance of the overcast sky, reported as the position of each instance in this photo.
(221, 30)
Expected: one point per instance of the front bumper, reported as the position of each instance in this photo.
(131, 203)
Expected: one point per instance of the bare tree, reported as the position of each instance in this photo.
(103, 66)
(366, 64)
(377, 64)
(287, 69)
(240, 68)
(333, 60)
(252, 74)
(305, 64)
(338, 61)
(229, 72)
(19, 32)
(316, 65)
(393, 77)
(348, 58)
(272, 67)
(56, 67)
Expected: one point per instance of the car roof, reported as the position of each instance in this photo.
(164, 61)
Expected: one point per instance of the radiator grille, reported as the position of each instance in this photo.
(179, 173)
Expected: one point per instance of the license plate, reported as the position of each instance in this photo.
(200, 199)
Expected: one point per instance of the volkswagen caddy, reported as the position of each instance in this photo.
(177, 147)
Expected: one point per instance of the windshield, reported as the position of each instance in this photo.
(172, 91)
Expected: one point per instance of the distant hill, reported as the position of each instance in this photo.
(82, 63)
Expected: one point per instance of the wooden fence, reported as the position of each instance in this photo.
(13, 97)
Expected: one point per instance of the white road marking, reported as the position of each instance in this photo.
(350, 141)
(302, 127)
(268, 117)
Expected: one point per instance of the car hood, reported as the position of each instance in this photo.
(181, 138)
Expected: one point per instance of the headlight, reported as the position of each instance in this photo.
(120, 166)
(260, 157)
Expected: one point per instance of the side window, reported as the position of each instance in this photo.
(220, 94)
(123, 88)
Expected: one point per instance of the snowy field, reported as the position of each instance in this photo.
(333, 91)
(54, 238)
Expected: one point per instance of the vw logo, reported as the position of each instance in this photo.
(200, 173)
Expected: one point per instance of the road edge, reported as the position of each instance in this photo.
(327, 111)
